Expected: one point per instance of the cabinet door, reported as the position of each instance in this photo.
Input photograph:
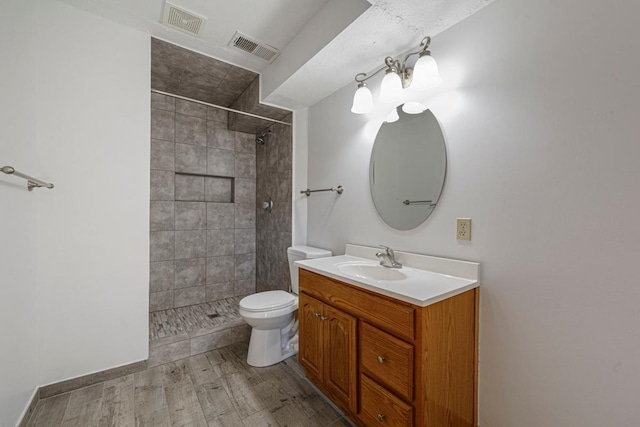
(310, 333)
(340, 370)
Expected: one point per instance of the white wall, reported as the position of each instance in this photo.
(540, 109)
(18, 349)
(92, 235)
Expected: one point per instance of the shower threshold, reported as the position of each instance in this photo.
(182, 332)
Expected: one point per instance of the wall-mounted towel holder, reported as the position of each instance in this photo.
(337, 189)
(31, 181)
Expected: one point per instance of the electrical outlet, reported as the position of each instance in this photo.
(463, 229)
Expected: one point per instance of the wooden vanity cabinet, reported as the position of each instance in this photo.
(328, 350)
(386, 362)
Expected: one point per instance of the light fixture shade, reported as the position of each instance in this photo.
(362, 101)
(413, 107)
(425, 73)
(393, 116)
(391, 90)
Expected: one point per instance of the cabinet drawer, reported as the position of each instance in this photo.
(387, 314)
(387, 359)
(378, 407)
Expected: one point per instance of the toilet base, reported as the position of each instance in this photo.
(265, 348)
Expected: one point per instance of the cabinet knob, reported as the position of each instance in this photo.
(317, 314)
(380, 359)
(323, 318)
(381, 417)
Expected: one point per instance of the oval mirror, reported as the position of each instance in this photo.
(407, 169)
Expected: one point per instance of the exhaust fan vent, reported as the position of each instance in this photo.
(261, 50)
(183, 20)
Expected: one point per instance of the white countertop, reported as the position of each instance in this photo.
(420, 287)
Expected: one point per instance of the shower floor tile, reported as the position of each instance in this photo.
(175, 324)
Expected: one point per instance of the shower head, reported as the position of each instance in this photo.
(261, 138)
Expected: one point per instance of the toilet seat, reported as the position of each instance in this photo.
(267, 301)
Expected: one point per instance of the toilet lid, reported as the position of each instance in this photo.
(266, 301)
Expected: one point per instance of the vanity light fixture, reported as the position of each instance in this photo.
(392, 116)
(424, 75)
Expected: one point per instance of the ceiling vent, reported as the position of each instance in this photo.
(263, 51)
(183, 20)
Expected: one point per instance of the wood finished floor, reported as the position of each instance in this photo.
(217, 388)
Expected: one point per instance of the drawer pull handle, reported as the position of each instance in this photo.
(380, 359)
(381, 417)
(317, 314)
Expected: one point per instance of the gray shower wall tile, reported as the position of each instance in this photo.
(163, 155)
(189, 296)
(161, 215)
(220, 215)
(161, 245)
(245, 215)
(189, 187)
(190, 244)
(218, 137)
(220, 162)
(245, 241)
(191, 159)
(245, 266)
(161, 275)
(216, 291)
(217, 115)
(162, 124)
(160, 300)
(190, 130)
(283, 187)
(191, 108)
(220, 242)
(218, 189)
(245, 287)
(163, 102)
(245, 165)
(190, 272)
(190, 215)
(220, 269)
(245, 190)
(162, 185)
(245, 142)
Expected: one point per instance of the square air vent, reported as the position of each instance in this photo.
(246, 44)
(183, 20)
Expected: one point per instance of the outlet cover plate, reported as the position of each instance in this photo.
(463, 229)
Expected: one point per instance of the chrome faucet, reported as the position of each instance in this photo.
(388, 258)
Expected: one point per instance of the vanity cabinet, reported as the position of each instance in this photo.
(328, 349)
(386, 362)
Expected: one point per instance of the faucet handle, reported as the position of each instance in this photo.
(387, 249)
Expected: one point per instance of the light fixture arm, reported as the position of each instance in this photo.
(395, 65)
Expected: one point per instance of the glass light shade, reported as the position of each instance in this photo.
(393, 116)
(413, 107)
(425, 73)
(391, 90)
(362, 101)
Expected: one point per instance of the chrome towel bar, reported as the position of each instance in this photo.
(31, 181)
(415, 202)
(337, 189)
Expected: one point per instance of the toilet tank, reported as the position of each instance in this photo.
(298, 253)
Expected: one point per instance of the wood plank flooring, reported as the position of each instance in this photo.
(217, 388)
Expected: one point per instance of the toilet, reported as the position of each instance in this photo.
(273, 315)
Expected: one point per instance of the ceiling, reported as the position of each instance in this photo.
(325, 42)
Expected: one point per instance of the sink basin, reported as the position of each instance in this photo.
(371, 271)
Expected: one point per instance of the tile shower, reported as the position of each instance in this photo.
(211, 243)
